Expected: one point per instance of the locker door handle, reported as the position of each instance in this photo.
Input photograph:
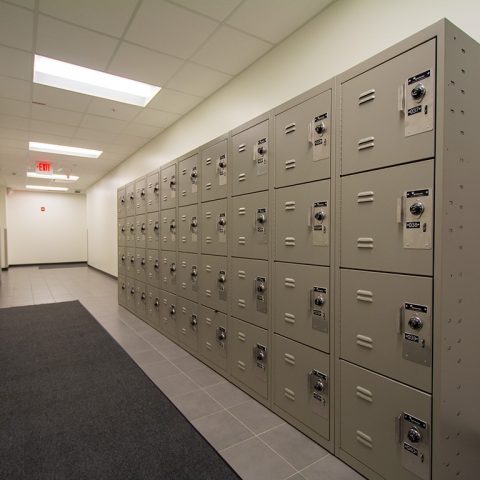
(400, 209)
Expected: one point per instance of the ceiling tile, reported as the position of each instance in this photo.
(55, 97)
(43, 137)
(111, 109)
(130, 140)
(94, 135)
(175, 102)
(73, 44)
(157, 118)
(289, 16)
(24, 3)
(144, 131)
(51, 128)
(230, 51)
(17, 123)
(16, 63)
(16, 27)
(198, 80)
(139, 63)
(169, 28)
(14, 143)
(107, 16)
(121, 149)
(56, 115)
(104, 124)
(14, 107)
(218, 9)
(11, 133)
(15, 88)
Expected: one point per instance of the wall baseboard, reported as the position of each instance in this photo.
(47, 263)
(102, 271)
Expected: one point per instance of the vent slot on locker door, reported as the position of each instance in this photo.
(366, 96)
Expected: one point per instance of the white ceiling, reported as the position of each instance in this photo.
(188, 47)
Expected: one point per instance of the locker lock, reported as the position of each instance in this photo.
(415, 323)
(194, 222)
(144, 295)
(320, 385)
(156, 226)
(222, 278)
(156, 265)
(122, 200)
(156, 188)
(321, 128)
(173, 267)
(222, 163)
(320, 216)
(132, 291)
(193, 320)
(156, 302)
(173, 226)
(222, 221)
(418, 92)
(261, 150)
(143, 261)
(193, 175)
(259, 355)
(173, 183)
(123, 257)
(132, 259)
(123, 228)
(132, 228)
(194, 273)
(123, 286)
(260, 287)
(144, 227)
(132, 196)
(319, 300)
(414, 435)
(417, 208)
(261, 218)
(221, 334)
(142, 193)
(172, 310)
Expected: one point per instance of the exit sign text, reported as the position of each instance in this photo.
(43, 167)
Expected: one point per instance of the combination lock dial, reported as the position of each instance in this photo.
(319, 301)
(194, 321)
(260, 355)
(321, 128)
(319, 386)
(221, 335)
(418, 92)
(261, 150)
(417, 208)
(173, 268)
(415, 323)
(222, 163)
(320, 216)
(172, 309)
(194, 223)
(222, 221)
(414, 435)
(261, 218)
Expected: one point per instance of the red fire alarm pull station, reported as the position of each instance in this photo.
(42, 209)
(43, 167)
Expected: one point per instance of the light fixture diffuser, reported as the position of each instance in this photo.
(53, 176)
(63, 150)
(75, 78)
(41, 187)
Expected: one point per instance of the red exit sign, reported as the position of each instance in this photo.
(43, 167)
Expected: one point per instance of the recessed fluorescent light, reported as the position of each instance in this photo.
(63, 150)
(41, 187)
(53, 176)
(75, 78)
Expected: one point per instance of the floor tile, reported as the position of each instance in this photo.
(330, 468)
(174, 385)
(160, 369)
(188, 363)
(172, 352)
(256, 416)
(227, 394)
(147, 357)
(196, 404)
(205, 376)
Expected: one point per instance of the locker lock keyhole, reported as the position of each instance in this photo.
(321, 128)
(123, 258)
(144, 227)
(132, 259)
(144, 295)
(222, 163)
(194, 223)
(319, 301)
(172, 309)
(221, 336)
(261, 218)
(194, 273)
(143, 261)
(172, 183)
(122, 200)
(156, 266)
(414, 435)
(173, 268)
(222, 221)
(415, 323)
(221, 278)
(123, 286)
(156, 188)
(173, 225)
(320, 216)
(123, 228)
(261, 150)
(193, 321)
(418, 92)
(132, 291)
(260, 287)
(156, 226)
(156, 302)
(260, 355)
(194, 174)
(417, 208)
(142, 193)
(319, 386)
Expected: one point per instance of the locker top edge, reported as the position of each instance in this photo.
(250, 123)
(212, 142)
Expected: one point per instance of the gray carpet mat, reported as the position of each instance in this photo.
(74, 405)
(47, 266)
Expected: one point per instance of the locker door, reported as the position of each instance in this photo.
(188, 229)
(153, 230)
(250, 225)
(140, 300)
(301, 304)
(302, 383)
(250, 290)
(168, 313)
(248, 355)
(382, 123)
(140, 195)
(122, 290)
(380, 227)
(302, 141)
(141, 265)
(214, 227)
(140, 231)
(168, 221)
(214, 171)
(187, 321)
(386, 325)
(130, 263)
(189, 180)
(168, 177)
(212, 336)
(154, 274)
(169, 271)
(121, 202)
(131, 294)
(302, 220)
(131, 199)
(250, 160)
(153, 307)
(384, 424)
(214, 282)
(122, 261)
(130, 234)
(122, 232)
(187, 275)
(153, 192)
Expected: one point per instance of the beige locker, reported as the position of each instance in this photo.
(140, 299)
(141, 231)
(250, 290)
(168, 186)
(187, 323)
(168, 226)
(386, 325)
(140, 196)
(121, 202)
(385, 424)
(250, 159)
(303, 141)
(381, 229)
(130, 233)
(214, 171)
(130, 266)
(153, 192)
(168, 313)
(122, 260)
(153, 307)
(213, 282)
(141, 265)
(212, 336)
(169, 271)
(122, 290)
(131, 296)
(302, 222)
(382, 124)
(130, 199)
(301, 304)
(153, 230)
(302, 385)
(187, 275)
(189, 180)
(250, 226)
(122, 232)
(188, 229)
(248, 355)
(154, 270)
(214, 227)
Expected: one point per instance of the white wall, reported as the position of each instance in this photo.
(59, 234)
(3, 226)
(346, 33)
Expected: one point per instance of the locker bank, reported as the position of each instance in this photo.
(267, 269)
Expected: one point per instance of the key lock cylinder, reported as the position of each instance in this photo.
(194, 175)
(173, 227)
(173, 183)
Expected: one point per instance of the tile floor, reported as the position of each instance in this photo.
(254, 441)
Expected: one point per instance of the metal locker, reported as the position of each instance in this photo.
(140, 299)
(250, 159)
(122, 290)
(130, 265)
(188, 229)
(189, 180)
(250, 226)
(248, 355)
(387, 219)
(130, 233)
(214, 171)
(168, 226)
(130, 301)
(141, 265)
(214, 227)
(250, 290)
(301, 304)
(131, 199)
(303, 141)
(187, 323)
(169, 271)
(153, 192)
(153, 230)
(214, 282)
(140, 195)
(302, 386)
(385, 424)
(168, 181)
(188, 270)
(141, 231)
(386, 325)
(212, 336)
(122, 260)
(154, 270)
(168, 313)
(153, 307)
(121, 202)
(122, 232)
(302, 221)
(388, 112)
